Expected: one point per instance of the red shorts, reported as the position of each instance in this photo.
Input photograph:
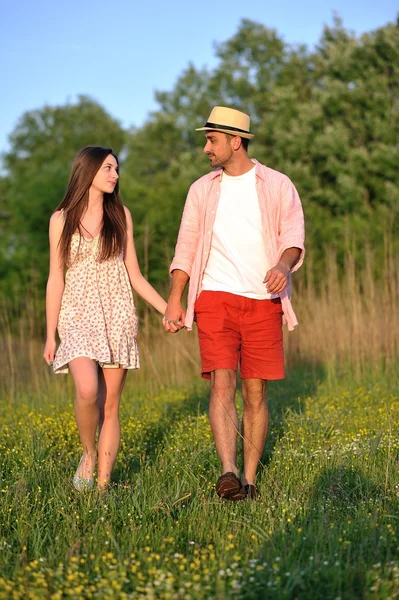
(234, 329)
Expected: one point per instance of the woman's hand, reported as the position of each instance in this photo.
(174, 317)
(49, 351)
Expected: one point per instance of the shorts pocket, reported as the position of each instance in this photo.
(198, 301)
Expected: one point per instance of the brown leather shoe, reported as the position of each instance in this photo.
(251, 492)
(229, 487)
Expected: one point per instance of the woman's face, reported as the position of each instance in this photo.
(106, 177)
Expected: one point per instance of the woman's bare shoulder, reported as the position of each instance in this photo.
(127, 212)
(57, 220)
(128, 216)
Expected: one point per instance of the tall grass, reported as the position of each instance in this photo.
(348, 323)
(325, 525)
(326, 522)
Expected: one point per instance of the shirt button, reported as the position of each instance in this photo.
(209, 233)
(213, 212)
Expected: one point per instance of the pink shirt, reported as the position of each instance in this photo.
(282, 224)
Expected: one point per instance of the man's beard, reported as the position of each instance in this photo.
(215, 162)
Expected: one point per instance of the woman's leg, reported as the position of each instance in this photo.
(85, 376)
(111, 382)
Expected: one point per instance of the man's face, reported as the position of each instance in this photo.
(218, 148)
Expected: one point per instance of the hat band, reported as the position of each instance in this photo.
(218, 126)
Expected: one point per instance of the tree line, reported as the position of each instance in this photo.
(328, 117)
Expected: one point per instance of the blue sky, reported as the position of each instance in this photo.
(120, 52)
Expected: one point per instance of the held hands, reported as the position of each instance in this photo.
(276, 279)
(49, 351)
(174, 317)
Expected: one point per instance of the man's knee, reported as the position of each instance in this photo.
(254, 393)
(223, 383)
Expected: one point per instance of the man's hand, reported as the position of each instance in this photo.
(174, 317)
(276, 279)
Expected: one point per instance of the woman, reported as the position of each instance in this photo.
(91, 237)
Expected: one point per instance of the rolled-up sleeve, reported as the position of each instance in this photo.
(187, 240)
(292, 224)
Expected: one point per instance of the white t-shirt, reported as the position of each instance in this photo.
(237, 261)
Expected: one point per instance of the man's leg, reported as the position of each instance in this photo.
(254, 426)
(223, 417)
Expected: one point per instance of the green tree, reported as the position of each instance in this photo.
(37, 167)
(327, 117)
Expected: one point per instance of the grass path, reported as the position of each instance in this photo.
(326, 525)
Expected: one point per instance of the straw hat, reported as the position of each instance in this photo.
(228, 120)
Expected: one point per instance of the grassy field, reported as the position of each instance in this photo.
(327, 523)
(325, 526)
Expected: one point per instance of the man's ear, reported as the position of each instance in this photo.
(236, 142)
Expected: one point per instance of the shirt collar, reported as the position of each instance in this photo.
(258, 170)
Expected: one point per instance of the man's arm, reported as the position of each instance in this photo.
(277, 277)
(180, 269)
(175, 315)
(291, 228)
(290, 251)
(189, 231)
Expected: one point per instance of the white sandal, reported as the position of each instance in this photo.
(81, 483)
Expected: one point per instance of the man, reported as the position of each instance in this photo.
(241, 235)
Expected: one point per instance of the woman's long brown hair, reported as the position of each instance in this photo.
(74, 204)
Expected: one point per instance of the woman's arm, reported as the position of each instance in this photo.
(138, 282)
(55, 286)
